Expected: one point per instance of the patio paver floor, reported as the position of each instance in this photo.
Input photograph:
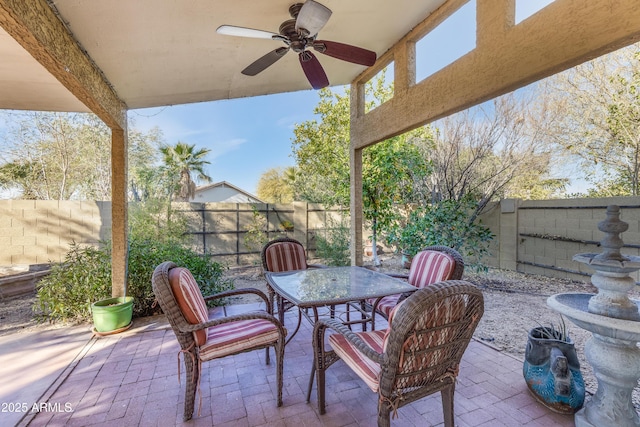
(131, 379)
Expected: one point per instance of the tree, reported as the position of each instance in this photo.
(597, 119)
(390, 168)
(479, 155)
(59, 156)
(181, 160)
(55, 156)
(146, 178)
(275, 185)
(491, 152)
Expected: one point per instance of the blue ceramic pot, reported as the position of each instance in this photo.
(552, 371)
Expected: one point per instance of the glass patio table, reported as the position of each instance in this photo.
(322, 287)
(328, 287)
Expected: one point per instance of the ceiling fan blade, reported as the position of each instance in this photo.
(312, 17)
(313, 70)
(265, 61)
(345, 52)
(231, 30)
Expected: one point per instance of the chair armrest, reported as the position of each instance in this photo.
(240, 291)
(322, 325)
(251, 315)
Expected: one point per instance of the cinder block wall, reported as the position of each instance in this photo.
(538, 237)
(40, 231)
(542, 236)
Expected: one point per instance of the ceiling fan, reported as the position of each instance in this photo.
(299, 34)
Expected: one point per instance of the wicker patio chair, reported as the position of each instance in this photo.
(416, 356)
(202, 338)
(431, 265)
(279, 255)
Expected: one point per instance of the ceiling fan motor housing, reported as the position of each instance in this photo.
(297, 40)
(294, 9)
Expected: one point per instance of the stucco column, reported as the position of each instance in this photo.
(357, 101)
(356, 206)
(119, 240)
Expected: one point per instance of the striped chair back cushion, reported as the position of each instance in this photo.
(285, 256)
(189, 298)
(433, 343)
(429, 267)
(387, 331)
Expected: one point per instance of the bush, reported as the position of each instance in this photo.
(69, 290)
(85, 277)
(448, 223)
(333, 249)
(157, 235)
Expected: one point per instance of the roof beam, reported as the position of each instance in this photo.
(507, 56)
(34, 25)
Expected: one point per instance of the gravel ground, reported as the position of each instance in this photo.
(514, 304)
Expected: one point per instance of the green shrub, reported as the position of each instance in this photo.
(68, 291)
(146, 255)
(157, 234)
(85, 277)
(333, 248)
(256, 235)
(448, 223)
(157, 220)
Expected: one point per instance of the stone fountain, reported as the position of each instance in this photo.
(614, 321)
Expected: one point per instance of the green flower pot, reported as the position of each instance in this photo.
(112, 314)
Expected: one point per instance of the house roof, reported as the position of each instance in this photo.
(228, 185)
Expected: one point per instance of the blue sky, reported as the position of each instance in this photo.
(248, 136)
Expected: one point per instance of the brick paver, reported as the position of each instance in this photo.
(131, 379)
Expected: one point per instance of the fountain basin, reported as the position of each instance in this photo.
(575, 306)
(625, 264)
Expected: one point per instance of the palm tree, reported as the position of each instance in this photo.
(181, 161)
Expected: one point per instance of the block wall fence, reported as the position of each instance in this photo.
(542, 236)
(539, 237)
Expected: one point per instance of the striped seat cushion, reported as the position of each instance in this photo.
(433, 331)
(392, 313)
(365, 368)
(387, 304)
(285, 256)
(189, 298)
(233, 337)
(429, 267)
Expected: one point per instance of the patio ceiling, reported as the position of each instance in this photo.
(156, 52)
(113, 55)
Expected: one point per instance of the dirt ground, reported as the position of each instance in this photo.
(514, 304)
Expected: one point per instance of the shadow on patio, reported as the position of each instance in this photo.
(131, 379)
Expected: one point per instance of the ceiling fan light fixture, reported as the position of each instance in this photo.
(312, 17)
